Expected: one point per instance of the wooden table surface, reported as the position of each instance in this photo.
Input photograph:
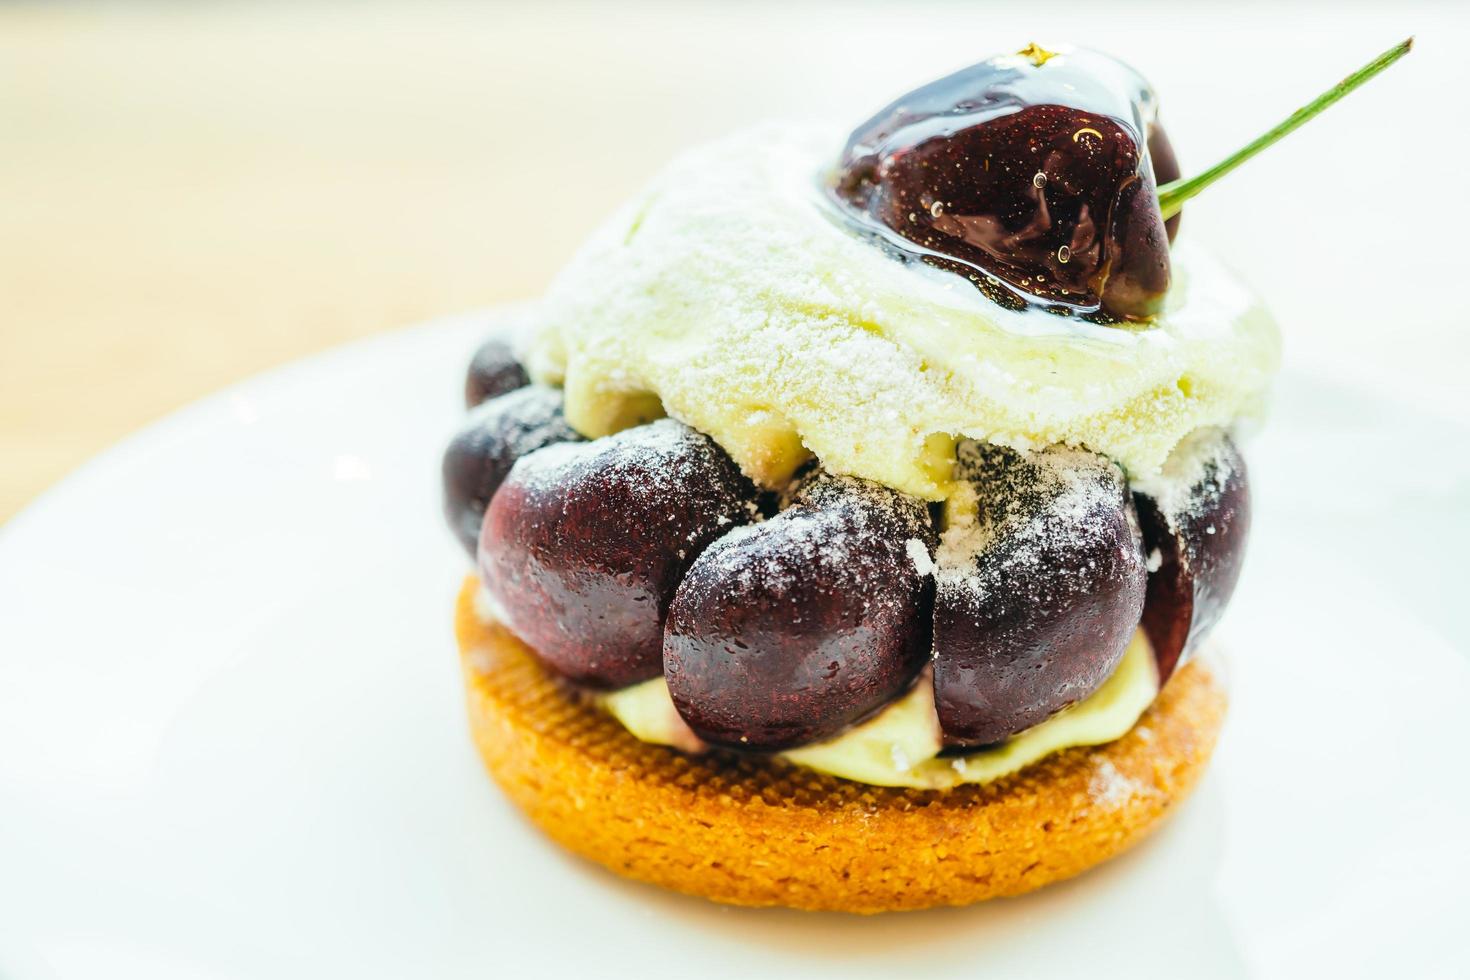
(192, 193)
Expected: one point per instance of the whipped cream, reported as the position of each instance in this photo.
(730, 296)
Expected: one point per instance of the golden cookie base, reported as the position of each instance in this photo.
(761, 831)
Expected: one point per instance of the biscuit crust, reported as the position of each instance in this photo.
(761, 831)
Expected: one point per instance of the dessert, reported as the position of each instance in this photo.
(849, 516)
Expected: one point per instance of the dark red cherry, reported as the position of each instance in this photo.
(584, 544)
(787, 632)
(494, 370)
(1038, 595)
(495, 435)
(1166, 169)
(1029, 174)
(1195, 519)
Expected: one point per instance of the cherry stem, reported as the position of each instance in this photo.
(1173, 194)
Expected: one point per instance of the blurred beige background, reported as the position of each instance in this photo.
(192, 193)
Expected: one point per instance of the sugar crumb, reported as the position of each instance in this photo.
(919, 555)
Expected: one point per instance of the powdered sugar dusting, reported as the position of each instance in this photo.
(1110, 788)
(525, 419)
(1042, 504)
(542, 468)
(918, 553)
(669, 461)
(844, 524)
(1193, 478)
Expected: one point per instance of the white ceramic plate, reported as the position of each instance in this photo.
(231, 739)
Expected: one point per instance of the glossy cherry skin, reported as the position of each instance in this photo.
(1032, 180)
(495, 434)
(789, 631)
(1194, 533)
(1037, 599)
(1166, 169)
(585, 543)
(493, 371)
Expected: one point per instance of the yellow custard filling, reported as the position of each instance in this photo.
(729, 296)
(900, 745)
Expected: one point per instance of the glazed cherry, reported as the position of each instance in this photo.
(1029, 174)
(1038, 592)
(493, 371)
(1195, 523)
(493, 437)
(585, 543)
(787, 632)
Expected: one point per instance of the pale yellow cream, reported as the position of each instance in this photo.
(728, 296)
(900, 745)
